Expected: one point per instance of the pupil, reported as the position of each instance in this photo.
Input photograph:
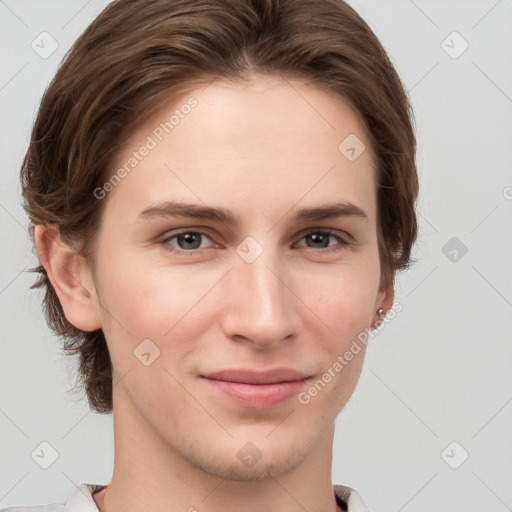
(189, 239)
(317, 236)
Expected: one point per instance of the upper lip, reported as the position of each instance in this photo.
(250, 376)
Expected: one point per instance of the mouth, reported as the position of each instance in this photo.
(256, 389)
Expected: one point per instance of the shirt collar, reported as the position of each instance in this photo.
(82, 501)
(349, 499)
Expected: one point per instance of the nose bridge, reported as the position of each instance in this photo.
(262, 306)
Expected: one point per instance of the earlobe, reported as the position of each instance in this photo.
(387, 297)
(70, 277)
(384, 303)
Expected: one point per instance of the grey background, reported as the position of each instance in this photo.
(437, 373)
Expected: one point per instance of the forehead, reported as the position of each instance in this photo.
(278, 140)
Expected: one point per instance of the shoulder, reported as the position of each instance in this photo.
(80, 501)
(349, 499)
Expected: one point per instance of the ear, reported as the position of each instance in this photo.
(385, 298)
(70, 277)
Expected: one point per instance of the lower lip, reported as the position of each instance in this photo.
(258, 396)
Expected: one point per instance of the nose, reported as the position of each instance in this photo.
(260, 306)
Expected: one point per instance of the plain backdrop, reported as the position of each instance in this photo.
(429, 425)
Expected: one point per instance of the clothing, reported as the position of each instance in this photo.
(81, 501)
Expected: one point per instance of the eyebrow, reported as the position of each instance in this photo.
(198, 211)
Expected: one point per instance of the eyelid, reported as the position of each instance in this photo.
(345, 239)
(180, 231)
(343, 235)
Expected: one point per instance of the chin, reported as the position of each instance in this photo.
(246, 461)
(262, 470)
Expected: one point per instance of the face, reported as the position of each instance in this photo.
(220, 249)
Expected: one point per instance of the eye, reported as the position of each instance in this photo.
(191, 242)
(186, 241)
(320, 240)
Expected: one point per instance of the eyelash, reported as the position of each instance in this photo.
(343, 241)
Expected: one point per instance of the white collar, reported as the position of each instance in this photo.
(82, 501)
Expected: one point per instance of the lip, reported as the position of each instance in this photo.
(250, 376)
(258, 389)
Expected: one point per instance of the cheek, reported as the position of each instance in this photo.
(342, 297)
(344, 304)
(156, 301)
(161, 302)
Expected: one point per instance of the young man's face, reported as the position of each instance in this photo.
(183, 297)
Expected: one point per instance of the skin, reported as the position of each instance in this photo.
(263, 148)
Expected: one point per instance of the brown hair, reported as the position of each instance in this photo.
(137, 52)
